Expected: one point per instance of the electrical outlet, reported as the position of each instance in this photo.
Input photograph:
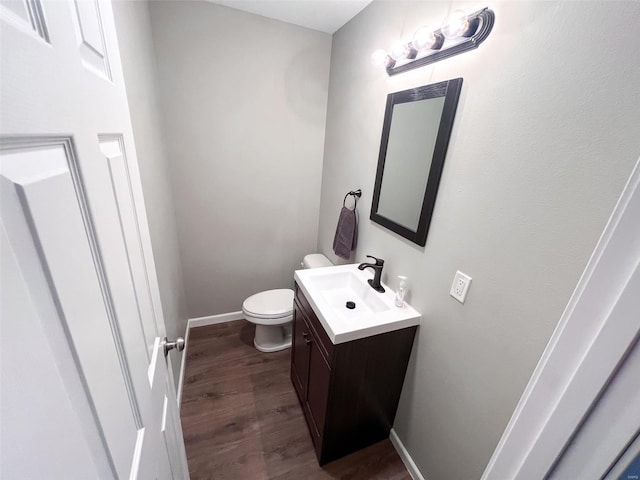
(460, 286)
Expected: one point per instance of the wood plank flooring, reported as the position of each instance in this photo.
(241, 418)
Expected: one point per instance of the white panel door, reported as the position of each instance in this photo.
(608, 439)
(85, 387)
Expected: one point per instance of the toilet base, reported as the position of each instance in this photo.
(272, 338)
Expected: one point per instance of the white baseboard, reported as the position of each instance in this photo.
(201, 322)
(213, 319)
(405, 457)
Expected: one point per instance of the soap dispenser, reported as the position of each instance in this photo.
(401, 291)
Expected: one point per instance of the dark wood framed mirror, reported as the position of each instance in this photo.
(415, 136)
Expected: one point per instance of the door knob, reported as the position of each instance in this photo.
(168, 346)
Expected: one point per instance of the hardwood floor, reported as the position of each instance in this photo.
(241, 418)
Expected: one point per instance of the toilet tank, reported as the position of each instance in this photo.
(316, 260)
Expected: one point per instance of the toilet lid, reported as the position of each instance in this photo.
(316, 260)
(270, 304)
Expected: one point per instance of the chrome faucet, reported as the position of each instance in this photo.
(377, 273)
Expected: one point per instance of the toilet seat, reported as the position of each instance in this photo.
(272, 313)
(269, 305)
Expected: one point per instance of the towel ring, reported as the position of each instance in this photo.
(355, 194)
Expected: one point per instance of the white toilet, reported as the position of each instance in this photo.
(272, 311)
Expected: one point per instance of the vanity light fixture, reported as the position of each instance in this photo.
(459, 32)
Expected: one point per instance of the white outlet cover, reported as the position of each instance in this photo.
(460, 286)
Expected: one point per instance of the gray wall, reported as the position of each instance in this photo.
(244, 99)
(138, 63)
(545, 136)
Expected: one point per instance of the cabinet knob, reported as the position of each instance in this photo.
(305, 335)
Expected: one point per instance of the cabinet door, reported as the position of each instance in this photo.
(300, 351)
(318, 388)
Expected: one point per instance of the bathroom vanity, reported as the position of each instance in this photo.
(348, 366)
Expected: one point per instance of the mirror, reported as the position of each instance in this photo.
(415, 135)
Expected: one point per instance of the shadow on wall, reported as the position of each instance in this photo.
(304, 86)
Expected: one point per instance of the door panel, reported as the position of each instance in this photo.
(119, 178)
(52, 376)
(299, 354)
(612, 425)
(90, 37)
(76, 201)
(318, 390)
(25, 15)
(41, 214)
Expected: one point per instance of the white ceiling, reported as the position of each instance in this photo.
(324, 15)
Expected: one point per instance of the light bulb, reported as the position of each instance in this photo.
(399, 51)
(380, 58)
(423, 39)
(455, 24)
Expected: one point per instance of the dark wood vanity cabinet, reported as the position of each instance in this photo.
(349, 392)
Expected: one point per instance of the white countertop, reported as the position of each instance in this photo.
(375, 313)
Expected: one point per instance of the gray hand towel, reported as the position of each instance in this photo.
(346, 233)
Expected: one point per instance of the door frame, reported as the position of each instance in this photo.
(584, 353)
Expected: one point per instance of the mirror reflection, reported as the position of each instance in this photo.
(408, 161)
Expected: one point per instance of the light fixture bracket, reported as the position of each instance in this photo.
(484, 18)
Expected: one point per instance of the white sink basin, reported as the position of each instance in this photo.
(341, 287)
(328, 291)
